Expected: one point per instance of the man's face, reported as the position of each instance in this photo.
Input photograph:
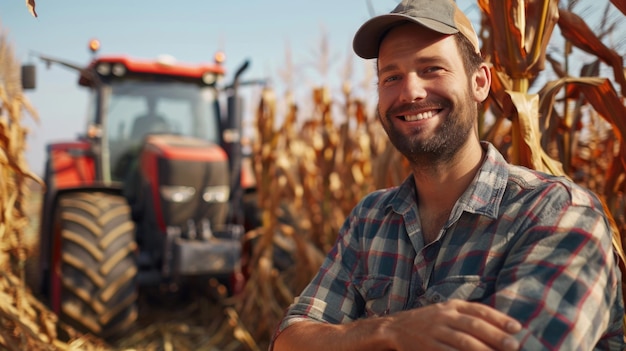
(426, 102)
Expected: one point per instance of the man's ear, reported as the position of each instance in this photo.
(481, 83)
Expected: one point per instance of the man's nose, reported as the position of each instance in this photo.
(414, 88)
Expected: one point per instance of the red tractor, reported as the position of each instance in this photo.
(151, 195)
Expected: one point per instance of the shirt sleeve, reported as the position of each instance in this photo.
(560, 279)
(331, 297)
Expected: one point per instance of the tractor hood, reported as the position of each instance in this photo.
(188, 178)
(179, 147)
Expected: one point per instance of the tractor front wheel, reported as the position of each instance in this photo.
(94, 285)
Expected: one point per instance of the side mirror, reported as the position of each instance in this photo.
(235, 105)
(29, 76)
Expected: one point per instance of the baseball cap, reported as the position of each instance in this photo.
(442, 16)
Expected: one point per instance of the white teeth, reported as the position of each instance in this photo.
(420, 116)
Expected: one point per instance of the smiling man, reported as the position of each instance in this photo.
(469, 252)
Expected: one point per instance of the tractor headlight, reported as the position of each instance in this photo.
(118, 69)
(209, 78)
(216, 193)
(176, 193)
(103, 69)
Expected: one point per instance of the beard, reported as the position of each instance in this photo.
(449, 136)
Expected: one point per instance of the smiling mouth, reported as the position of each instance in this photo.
(420, 116)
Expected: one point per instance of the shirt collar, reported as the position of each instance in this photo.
(485, 193)
(483, 196)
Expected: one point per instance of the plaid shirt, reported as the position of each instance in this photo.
(533, 246)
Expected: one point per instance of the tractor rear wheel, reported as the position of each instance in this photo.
(94, 264)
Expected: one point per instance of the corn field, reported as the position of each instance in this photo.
(313, 166)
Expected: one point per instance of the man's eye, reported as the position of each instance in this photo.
(432, 69)
(390, 79)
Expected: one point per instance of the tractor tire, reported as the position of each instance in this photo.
(96, 274)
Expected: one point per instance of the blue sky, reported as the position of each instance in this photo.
(192, 31)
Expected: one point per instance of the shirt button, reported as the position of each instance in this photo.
(435, 298)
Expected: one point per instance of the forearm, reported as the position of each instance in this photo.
(454, 324)
(363, 334)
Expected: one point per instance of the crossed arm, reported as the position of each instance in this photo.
(452, 325)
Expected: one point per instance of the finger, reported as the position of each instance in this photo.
(456, 340)
(491, 315)
(472, 331)
(445, 338)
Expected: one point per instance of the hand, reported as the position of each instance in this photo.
(452, 325)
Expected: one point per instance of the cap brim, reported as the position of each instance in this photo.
(367, 39)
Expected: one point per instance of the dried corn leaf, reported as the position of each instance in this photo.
(523, 111)
(557, 67)
(599, 93)
(521, 31)
(574, 29)
(30, 4)
(620, 4)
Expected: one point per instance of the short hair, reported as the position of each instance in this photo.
(471, 59)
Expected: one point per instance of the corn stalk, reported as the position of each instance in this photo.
(26, 324)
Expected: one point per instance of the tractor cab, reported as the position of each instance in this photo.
(137, 108)
(132, 98)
